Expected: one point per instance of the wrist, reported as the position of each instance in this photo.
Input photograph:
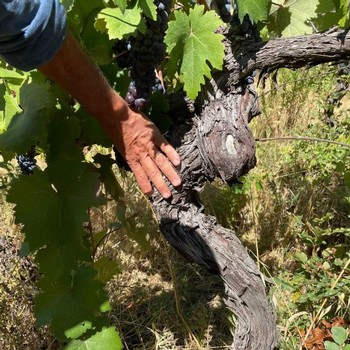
(113, 111)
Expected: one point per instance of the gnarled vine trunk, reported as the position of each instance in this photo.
(213, 139)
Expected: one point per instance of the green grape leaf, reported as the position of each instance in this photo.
(80, 11)
(118, 24)
(149, 8)
(70, 300)
(107, 339)
(325, 6)
(340, 335)
(92, 131)
(258, 10)
(78, 330)
(2, 96)
(97, 43)
(290, 18)
(105, 307)
(63, 131)
(56, 259)
(191, 40)
(61, 194)
(68, 4)
(329, 345)
(86, 7)
(347, 347)
(108, 177)
(328, 15)
(345, 11)
(8, 108)
(28, 127)
(11, 74)
(106, 269)
(301, 12)
(63, 147)
(121, 4)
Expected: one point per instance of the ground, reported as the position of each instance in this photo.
(292, 206)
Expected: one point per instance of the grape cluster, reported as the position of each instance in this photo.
(144, 54)
(27, 163)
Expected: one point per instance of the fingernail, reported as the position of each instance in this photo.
(166, 195)
(176, 182)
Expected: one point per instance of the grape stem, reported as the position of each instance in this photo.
(204, 3)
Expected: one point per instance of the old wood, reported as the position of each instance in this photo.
(213, 139)
(301, 51)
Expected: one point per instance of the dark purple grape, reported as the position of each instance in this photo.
(132, 89)
(249, 80)
(140, 103)
(129, 98)
(225, 10)
(148, 33)
(27, 163)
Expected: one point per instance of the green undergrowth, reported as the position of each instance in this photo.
(293, 210)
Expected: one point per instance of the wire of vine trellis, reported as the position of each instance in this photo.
(302, 138)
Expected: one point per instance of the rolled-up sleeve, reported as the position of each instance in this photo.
(31, 31)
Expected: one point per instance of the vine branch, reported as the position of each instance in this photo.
(296, 52)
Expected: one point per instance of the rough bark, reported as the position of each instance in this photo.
(213, 139)
(301, 51)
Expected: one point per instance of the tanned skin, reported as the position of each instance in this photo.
(147, 152)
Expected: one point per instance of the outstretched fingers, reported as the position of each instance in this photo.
(150, 170)
(141, 178)
(167, 149)
(162, 160)
(154, 173)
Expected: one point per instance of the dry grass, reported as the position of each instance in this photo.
(17, 288)
(162, 302)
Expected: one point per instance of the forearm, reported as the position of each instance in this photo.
(147, 152)
(73, 70)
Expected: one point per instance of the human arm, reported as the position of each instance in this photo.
(147, 152)
(33, 34)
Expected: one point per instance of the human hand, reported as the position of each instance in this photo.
(148, 153)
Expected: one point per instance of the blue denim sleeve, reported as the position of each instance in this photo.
(31, 31)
